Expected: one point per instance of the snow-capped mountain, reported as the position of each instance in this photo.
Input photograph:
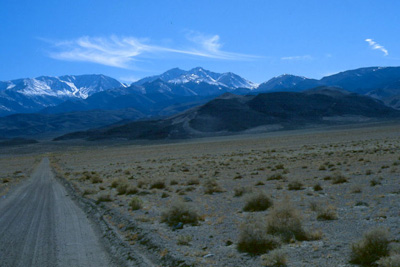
(80, 86)
(286, 82)
(33, 94)
(200, 75)
(177, 87)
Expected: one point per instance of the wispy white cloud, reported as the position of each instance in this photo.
(122, 51)
(113, 51)
(375, 45)
(305, 57)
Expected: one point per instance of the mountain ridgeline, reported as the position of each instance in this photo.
(200, 75)
(382, 83)
(32, 95)
(86, 92)
(97, 100)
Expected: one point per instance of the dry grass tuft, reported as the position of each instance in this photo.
(136, 203)
(254, 238)
(142, 184)
(158, 185)
(103, 198)
(89, 191)
(173, 182)
(131, 190)
(339, 178)
(211, 186)
(240, 191)
(374, 182)
(317, 187)
(180, 212)
(122, 187)
(327, 213)
(95, 179)
(285, 221)
(276, 176)
(276, 257)
(117, 182)
(193, 181)
(258, 202)
(373, 246)
(295, 185)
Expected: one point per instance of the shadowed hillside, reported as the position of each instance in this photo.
(231, 114)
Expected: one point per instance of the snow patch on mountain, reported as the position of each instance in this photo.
(10, 86)
(33, 94)
(69, 86)
(35, 87)
(199, 75)
(75, 91)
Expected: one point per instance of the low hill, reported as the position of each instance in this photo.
(50, 125)
(17, 142)
(232, 114)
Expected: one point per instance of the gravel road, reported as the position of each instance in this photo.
(41, 226)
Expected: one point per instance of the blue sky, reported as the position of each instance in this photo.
(131, 39)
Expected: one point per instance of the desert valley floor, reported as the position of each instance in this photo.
(337, 182)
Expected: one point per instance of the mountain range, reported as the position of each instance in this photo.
(200, 75)
(74, 93)
(49, 103)
(382, 83)
(31, 95)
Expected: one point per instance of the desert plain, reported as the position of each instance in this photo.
(202, 202)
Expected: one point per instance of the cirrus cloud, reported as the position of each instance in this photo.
(120, 52)
(305, 57)
(375, 45)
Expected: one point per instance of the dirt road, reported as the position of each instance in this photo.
(41, 226)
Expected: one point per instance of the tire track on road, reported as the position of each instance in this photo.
(41, 226)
